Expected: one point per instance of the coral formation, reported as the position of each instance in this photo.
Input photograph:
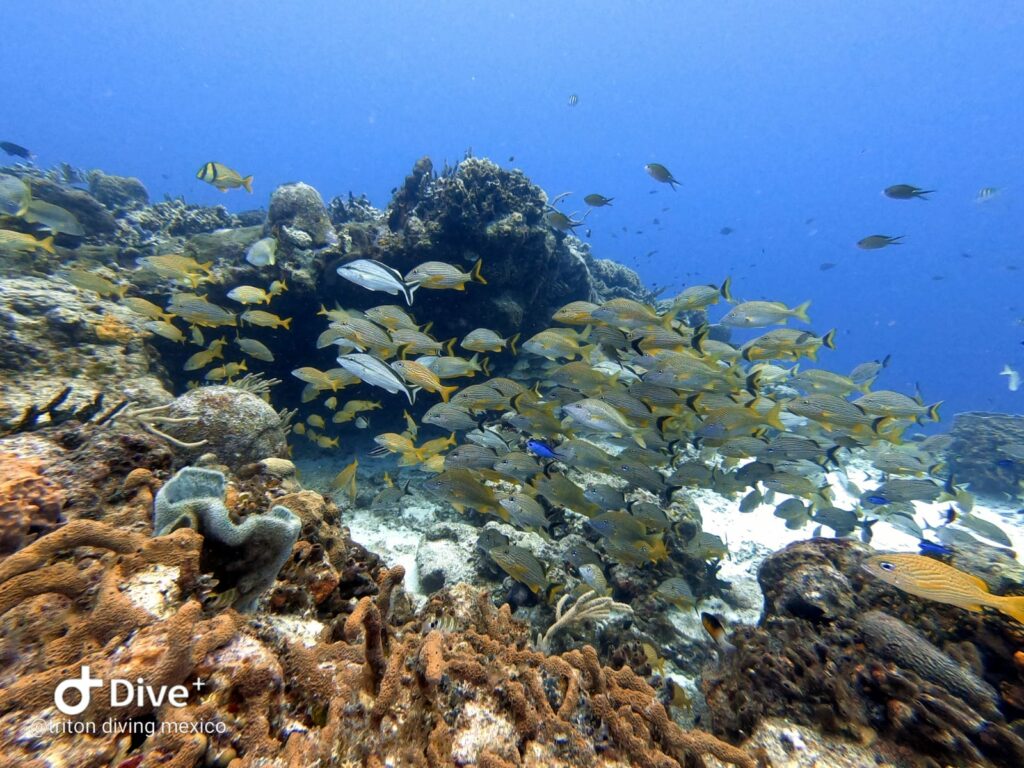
(987, 451)
(237, 426)
(52, 340)
(30, 504)
(248, 555)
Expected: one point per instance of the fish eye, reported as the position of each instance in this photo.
(887, 566)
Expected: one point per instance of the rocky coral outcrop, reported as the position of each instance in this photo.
(58, 336)
(117, 193)
(987, 451)
(475, 211)
(237, 426)
(841, 651)
(30, 504)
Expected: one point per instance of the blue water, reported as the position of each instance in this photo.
(783, 121)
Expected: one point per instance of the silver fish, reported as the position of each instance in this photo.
(376, 276)
(372, 371)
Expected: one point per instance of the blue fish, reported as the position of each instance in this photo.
(933, 548)
(877, 499)
(542, 449)
(1005, 463)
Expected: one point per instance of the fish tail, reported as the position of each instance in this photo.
(829, 339)
(46, 244)
(287, 323)
(512, 344)
(446, 392)
(476, 272)
(247, 183)
(408, 289)
(1011, 605)
(726, 289)
(449, 345)
(800, 312)
(933, 411)
(699, 335)
(485, 366)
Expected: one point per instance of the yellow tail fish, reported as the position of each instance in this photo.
(934, 580)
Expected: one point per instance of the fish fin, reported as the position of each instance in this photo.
(287, 323)
(726, 289)
(1012, 606)
(408, 289)
(699, 335)
(449, 345)
(475, 273)
(458, 507)
(933, 411)
(829, 339)
(46, 244)
(247, 183)
(512, 345)
(800, 312)
(485, 366)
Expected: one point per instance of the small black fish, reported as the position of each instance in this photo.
(726, 231)
(15, 150)
(511, 158)
(827, 265)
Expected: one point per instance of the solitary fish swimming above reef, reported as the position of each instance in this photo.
(906, 192)
(874, 242)
(223, 178)
(659, 172)
(934, 580)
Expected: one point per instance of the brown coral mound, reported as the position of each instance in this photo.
(840, 650)
(30, 504)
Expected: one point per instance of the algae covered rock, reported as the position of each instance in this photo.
(299, 210)
(987, 451)
(117, 192)
(58, 336)
(237, 426)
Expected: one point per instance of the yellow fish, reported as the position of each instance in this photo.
(147, 308)
(266, 319)
(420, 376)
(223, 178)
(315, 420)
(165, 329)
(439, 275)
(247, 294)
(90, 281)
(346, 479)
(16, 241)
(277, 287)
(326, 442)
(934, 580)
(227, 371)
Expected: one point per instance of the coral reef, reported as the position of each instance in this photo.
(54, 338)
(250, 554)
(297, 215)
(476, 210)
(117, 193)
(839, 650)
(455, 685)
(30, 504)
(987, 451)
